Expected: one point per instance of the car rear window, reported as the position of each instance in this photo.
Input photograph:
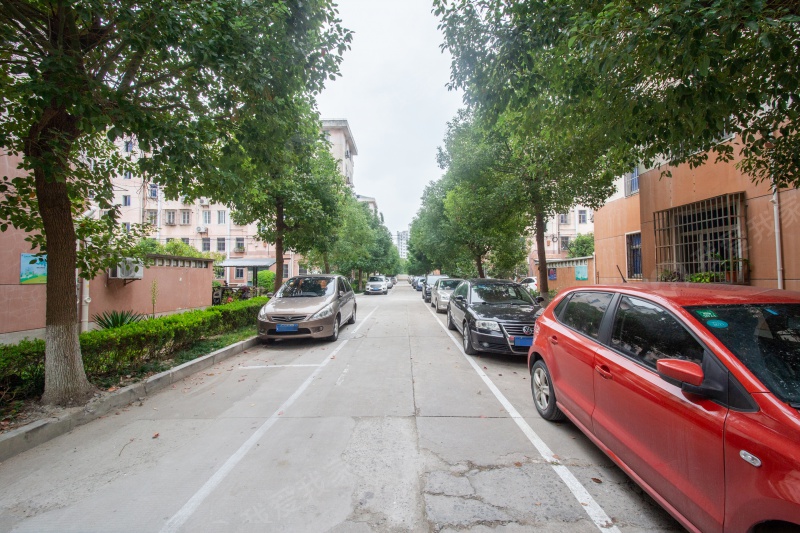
(766, 338)
(585, 311)
(449, 284)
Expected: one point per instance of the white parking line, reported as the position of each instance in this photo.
(592, 508)
(273, 366)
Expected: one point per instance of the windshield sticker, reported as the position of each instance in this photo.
(771, 311)
(718, 324)
(706, 313)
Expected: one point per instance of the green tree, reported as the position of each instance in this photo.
(171, 76)
(581, 246)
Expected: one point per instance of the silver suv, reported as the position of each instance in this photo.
(377, 285)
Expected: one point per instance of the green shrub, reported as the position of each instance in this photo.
(115, 319)
(124, 349)
(266, 280)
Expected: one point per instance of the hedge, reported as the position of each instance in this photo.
(122, 350)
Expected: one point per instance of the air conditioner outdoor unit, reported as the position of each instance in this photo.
(202, 229)
(127, 269)
(203, 201)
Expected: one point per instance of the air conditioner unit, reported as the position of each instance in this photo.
(127, 269)
(203, 201)
(168, 223)
(202, 229)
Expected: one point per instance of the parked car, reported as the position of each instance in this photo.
(308, 307)
(420, 284)
(531, 283)
(440, 294)
(377, 285)
(430, 279)
(389, 283)
(693, 391)
(493, 315)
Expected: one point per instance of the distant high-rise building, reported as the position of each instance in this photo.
(401, 241)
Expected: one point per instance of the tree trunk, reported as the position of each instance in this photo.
(327, 263)
(542, 255)
(479, 264)
(65, 380)
(279, 230)
(360, 277)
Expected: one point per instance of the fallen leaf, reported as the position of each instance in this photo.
(484, 368)
(499, 374)
(112, 389)
(517, 464)
(597, 480)
(155, 436)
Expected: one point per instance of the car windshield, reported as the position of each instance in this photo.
(766, 338)
(307, 287)
(500, 293)
(448, 284)
(376, 278)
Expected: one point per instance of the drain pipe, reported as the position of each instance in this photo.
(85, 300)
(776, 213)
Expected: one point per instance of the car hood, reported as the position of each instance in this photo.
(505, 312)
(303, 305)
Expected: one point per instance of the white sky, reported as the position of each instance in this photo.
(392, 92)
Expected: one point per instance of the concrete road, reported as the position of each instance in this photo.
(391, 428)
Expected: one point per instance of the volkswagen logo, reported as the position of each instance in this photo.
(527, 330)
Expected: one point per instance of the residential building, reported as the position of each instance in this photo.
(370, 201)
(401, 241)
(343, 146)
(560, 231)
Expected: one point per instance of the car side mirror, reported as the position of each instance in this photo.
(680, 371)
(341, 294)
(539, 299)
(459, 298)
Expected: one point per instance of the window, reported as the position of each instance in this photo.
(185, 240)
(126, 226)
(632, 182)
(239, 274)
(704, 241)
(169, 239)
(152, 216)
(128, 147)
(461, 290)
(563, 218)
(564, 243)
(186, 217)
(647, 333)
(126, 200)
(585, 311)
(240, 244)
(206, 244)
(153, 191)
(633, 247)
(220, 217)
(583, 217)
(303, 271)
(127, 175)
(170, 217)
(206, 217)
(220, 244)
(285, 270)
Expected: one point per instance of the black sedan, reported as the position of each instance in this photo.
(493, 316)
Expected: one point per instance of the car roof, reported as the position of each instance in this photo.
(689, 294)
(491, 280)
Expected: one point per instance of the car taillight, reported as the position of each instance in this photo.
(535, 328)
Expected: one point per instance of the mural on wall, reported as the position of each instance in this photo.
(581, 272)
(32, 269)
(551, 274)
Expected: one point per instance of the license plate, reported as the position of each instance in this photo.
(282, 328)
(523, 341)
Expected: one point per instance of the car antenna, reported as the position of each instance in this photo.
(620, 275)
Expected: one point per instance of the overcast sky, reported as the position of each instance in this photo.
(392, 92)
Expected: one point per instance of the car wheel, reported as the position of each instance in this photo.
(432, 304)
(450, 324)
(544, 395)
(468, 348)
(335, 334)
(353, 316)
(269, 341)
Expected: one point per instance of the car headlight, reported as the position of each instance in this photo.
(262, 314)
(491, 325)
(322, 313)
(444, 296)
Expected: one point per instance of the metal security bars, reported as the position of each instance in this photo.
(633, 248)
(703, 242)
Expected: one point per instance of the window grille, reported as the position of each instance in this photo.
(564, 243)
(633, 247)
(632, 182)
(703, 242)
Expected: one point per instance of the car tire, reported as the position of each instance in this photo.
(335, 336)
(353, 316)
(469, 349)
(544, 394)
(269, 341)
(450, 325)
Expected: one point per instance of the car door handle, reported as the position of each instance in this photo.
(604, 371)
(553, 339)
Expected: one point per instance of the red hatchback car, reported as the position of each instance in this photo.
(693, 390)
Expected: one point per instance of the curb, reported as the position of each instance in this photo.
(31, 435)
